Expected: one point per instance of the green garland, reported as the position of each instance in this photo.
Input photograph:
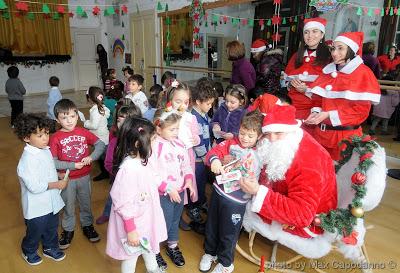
(341, 220)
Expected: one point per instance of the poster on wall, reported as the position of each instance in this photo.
(128, 58)
(347, 20)
(324, 5)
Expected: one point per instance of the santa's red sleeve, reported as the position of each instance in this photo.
(296, 208)
(347, 112)
(219, 151)
(291, 65)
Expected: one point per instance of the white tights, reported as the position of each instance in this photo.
(129, 266)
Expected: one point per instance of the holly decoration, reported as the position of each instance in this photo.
(342, 220)
(196, 12)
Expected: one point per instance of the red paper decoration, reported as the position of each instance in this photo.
(60, 9)
(124, 9)
(277, 2)
(22, 6)
(96, 10)
(276, 20)
(276, 37)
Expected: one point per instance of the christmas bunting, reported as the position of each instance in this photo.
(45, 9)
(3, 5)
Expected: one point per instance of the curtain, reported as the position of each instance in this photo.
(40, 36)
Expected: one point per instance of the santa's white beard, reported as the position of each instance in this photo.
(278, 155)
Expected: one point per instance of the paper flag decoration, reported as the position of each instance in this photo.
(79, 10)
(110, 11)
(124, 9)
(359, 11)
(391, 11)
(122, 24)
(373, 33)
(370, 12)
(6, 15)
(168, 21)
(45, 9)
(3, 5)
(60, 9)
(56, 16)
(159, 6)
(166, 7)
(269, 22)
(96, 10)
(284, 21)
(251, 22)
(30, 16)
(21, 6)
(123, 37)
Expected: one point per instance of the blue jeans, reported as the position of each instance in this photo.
(172, 213)
(43, 228)
(107, 206)
(201, 173)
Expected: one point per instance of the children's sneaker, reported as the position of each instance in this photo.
(66, 239)
(102, 219)
(55, 254)
(206, 261)
(162, 265)
(222, 269)
(176, 256)
(194, 215)
(91, 234)
(32, 259)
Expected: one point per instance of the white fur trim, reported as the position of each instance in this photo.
(307, 78)
(278, 102)
(328, 87)
(347, 69)
(316, 110)
(314, 24)
(347, 94)
(281, 127)
(334, 117)
(313, 54)
(308, 93)
(258, 49)
(305, 73)
(334, 74)
(309, 232)
(258, 199)
(353, 45)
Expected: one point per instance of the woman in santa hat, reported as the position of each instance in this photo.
(306, 65)
(268, 66)
(347, 89)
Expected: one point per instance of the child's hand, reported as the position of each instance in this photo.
(216, 167)
(189, 186)
(79, 165)
(133, 238)
(227, 159)
(87, 160)
(174, 196)
(228, 136)
(216, 128)
(62, 184)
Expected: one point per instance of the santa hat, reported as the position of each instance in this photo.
(258, 45)
(281, 118)
(353, 39)
(317, 22)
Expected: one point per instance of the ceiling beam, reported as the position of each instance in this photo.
(208, 5)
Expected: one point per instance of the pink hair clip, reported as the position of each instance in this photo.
(175, 83)
(140, 129)
(100, 97)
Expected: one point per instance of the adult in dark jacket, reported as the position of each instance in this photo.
(269, 66)
(103, 61)
(370, 60)
(242, 70)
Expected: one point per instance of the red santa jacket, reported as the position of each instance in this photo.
(347, 96)
(308, 72)
(387, 64)
(309, 188)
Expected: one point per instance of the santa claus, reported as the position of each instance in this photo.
(298, 180)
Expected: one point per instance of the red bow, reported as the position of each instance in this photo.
(351, 239)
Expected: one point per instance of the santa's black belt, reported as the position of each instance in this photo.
(325, 127)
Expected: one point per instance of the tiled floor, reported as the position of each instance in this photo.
(38, 103)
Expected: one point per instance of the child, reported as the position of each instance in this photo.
(135, 84)
(171, 161)
(220, 92)
(226, 121)
(54, 96)
(15, 91)
(111, 79)
(136, 214)
(156, 89)
(97, 123)
(228, 201)
(166, 79)
(70, 149)
(111, 99)
(40, 189)
(203, 97)
(128, 72)
(149, 114)
(122, 113)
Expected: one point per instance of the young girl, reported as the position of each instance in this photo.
(111, 99)
(136, 215)
(128, 72)
(226, 121)
(97, 122)
(178, 96)
(171, 161)
(111, 79)
(122, 113)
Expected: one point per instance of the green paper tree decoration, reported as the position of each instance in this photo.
(370, 12)
(168, 21)
(30, 16)
(79, 11)
(110, 10)
(382, 12)
(359, 11)
(251, 22)
(45, 9)
(123, 37)
(3, 5)
(391, 11)
(166, 7)
(56, 16)
(269, 22)
(284, 21)
(373, 33)
(398, 12)
(84, 15)
(206, 24)
(6, 15)
(159, 6)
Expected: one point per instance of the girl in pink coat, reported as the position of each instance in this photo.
(136, 226)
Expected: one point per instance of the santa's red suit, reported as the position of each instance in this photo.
(309, 188)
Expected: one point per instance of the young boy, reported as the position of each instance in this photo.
(135, 84)
(228, 201)
(15, 91)
(203, 97)
(54, 96)
(70, 149)
(40, 189)
(128, 72)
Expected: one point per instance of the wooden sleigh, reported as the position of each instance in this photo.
(320, 246)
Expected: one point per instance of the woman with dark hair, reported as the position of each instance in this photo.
(306, 65)
(390, 60)
(242, 70)
(346, 89)
(370, 60)
(103, 61)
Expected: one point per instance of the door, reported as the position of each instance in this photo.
(143, 45)
(86, 69)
